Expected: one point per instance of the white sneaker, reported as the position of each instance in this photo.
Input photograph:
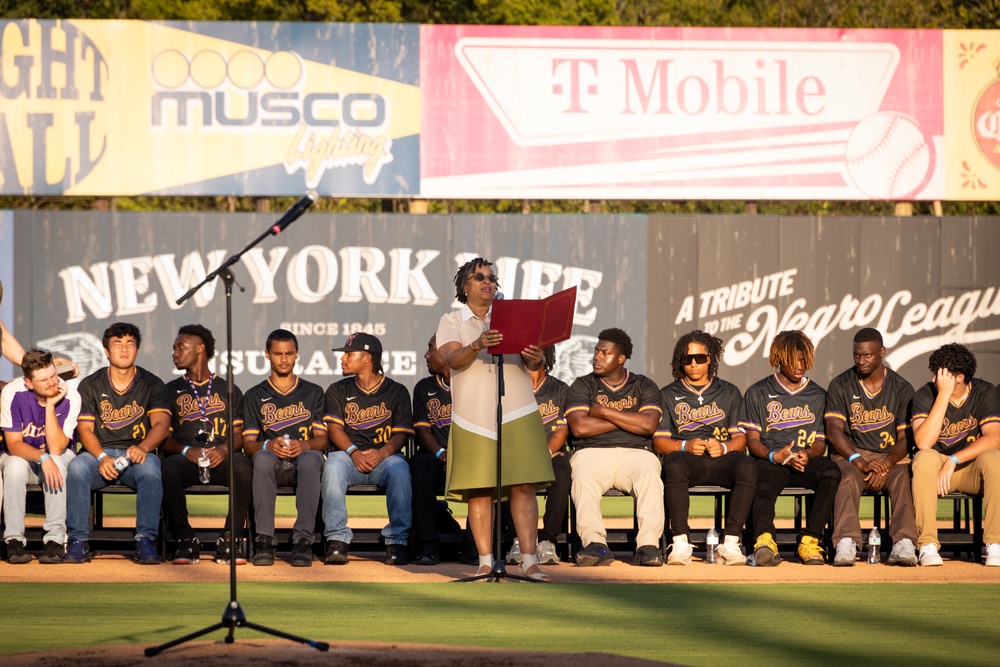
(546, 553)
(680, 553)
(847, 553)
(730, 554)
(514, 555)
(992, 555)
(929, 556)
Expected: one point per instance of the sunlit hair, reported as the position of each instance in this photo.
(465, 272)
(549, 358)
(619, 339)
(280, 335)
(786, 346)
(869, 335)
(711, 343)
(202, 333)
(122, 330)
(956, 358)
(35, 360)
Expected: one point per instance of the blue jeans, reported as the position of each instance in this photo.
(83, 478)
(393, 474)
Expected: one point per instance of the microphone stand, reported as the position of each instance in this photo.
(499, 571)
(233, 616)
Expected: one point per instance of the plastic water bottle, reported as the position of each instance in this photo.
(874, 547)
(204, 467)
(711, 544)
(121, 463)
(287, 464)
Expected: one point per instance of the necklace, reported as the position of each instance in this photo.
(694, 390)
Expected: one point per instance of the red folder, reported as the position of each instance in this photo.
(525, 322)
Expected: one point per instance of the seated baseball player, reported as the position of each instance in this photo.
(956, 428)
(369, 420)
(39, 425)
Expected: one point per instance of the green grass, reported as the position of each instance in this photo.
(704, 624)
(374, 506)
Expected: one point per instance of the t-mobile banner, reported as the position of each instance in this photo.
(324, 278)
(922, 282)
(681, 113)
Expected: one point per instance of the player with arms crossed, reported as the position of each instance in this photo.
(702, 444)
(612, 414)
(867, 407)
(283, 432)
(783, 420)
(956, 427)
(200, 423)
(124, 411)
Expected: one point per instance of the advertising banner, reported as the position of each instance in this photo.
(323, 278)
(208, 108)
(972, 114)
(681, 113)
(921, 282)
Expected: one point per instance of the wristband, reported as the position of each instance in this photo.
(855, 455)
(770, 457)
(439, 452)
(42, 458)
(953, 458)
(184, 452)
(725, 449)
(101, 457)
(351, 449)
(683, 445)
(265, 444)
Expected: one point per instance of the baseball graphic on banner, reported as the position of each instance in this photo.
(888, 156)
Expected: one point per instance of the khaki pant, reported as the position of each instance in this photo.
(902, 522)
(974, 477)
(632, 471)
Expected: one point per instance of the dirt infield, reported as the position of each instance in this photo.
(368, 567)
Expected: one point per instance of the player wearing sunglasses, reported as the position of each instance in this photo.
(702, 444)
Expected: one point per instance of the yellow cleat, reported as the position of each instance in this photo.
(765, 551)
(810, 553)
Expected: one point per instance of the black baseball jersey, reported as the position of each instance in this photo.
(551, 398)
(432, 408)
(189, 424)
(962, 424)
(121, 419)
(269, 413)
(369, 418)
(870, 421)
(784, 417)
(636, 393)
(688, 414)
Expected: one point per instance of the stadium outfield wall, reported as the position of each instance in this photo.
(921, 281)
(499, 112)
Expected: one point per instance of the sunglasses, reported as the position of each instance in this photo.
(695, 359)
(480, 277)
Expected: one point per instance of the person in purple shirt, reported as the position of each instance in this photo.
(39, 433)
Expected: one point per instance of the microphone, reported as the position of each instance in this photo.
(294, 213)
(498, 297)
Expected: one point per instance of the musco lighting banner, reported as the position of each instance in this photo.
(200, 108)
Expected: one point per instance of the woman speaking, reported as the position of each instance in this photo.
(464, 338)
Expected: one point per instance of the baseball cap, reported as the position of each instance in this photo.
(362, 342)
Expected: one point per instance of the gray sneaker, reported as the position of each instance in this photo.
(546, 553)
(903, 553)
(847, 553)
(514, 555)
